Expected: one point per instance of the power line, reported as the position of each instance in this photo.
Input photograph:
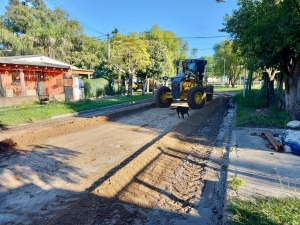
(55, 4)
(204, 37)
(199, 49)
(188, 37)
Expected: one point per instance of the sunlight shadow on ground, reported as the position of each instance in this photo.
(31, 180)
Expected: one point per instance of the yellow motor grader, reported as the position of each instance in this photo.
(186, 85)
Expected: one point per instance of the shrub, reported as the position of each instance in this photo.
(99, 92)
(236, 182)
(88, 90)
(93, 85)
(121, 90)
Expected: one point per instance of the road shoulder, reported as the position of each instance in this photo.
(266, 172)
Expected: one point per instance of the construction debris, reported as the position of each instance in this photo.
(275, 143)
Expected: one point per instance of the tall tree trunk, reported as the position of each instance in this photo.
(144, 85)
(271, 99)
(130, 76)
(271, 95)
(249, 82)
(281, 102)
(292, 84)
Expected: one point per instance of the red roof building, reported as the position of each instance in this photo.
(32, 76)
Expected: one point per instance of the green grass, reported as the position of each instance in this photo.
(220, 88)
(235, 183)
(265, 211)
(247, 116)
(236, 88)
(261, 211)
(34, 111)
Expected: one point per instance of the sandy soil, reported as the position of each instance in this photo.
(137, 166)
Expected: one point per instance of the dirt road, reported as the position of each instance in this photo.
(141, 166)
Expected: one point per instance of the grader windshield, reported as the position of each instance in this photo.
(190, 65)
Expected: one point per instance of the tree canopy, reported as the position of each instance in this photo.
(227, 61)
(177, 47)
(128, 55)
(266, 35)
(28, 27)
(159, 61)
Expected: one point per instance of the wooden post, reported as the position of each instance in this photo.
(277, 145)
(22, 82)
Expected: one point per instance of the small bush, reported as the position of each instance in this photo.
(30, 120)
(235, 183)
(88, 89)
(121, 90)
(109, 90)
(99, 92)
(92, 85)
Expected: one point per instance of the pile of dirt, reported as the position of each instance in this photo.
(7, 144)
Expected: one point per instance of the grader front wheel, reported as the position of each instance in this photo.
(196, 98)
(162, 97)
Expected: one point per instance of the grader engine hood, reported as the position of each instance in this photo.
(176, 85)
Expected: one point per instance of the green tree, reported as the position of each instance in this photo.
(20, 15)
(226, 60)
(128, 55)
(267, 35)
(8, 40)
(89, 54)
(158, 66)
(177, 47)
(41, 30)
(210, 70)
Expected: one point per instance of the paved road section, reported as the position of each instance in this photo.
(266, 171)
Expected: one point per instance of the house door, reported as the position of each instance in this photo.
(40, 82)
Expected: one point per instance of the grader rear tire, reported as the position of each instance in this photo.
(210, 89)
(195, 98)
(160, 97)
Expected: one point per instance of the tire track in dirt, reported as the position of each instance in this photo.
(161, 184)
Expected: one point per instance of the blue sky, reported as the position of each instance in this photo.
(189, 19)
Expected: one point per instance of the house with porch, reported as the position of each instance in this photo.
(34, 77)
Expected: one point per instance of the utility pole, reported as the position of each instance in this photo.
(108, 45)
(224, 72)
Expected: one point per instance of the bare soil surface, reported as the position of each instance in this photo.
(139, 165)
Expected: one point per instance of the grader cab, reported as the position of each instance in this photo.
(186, 85)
